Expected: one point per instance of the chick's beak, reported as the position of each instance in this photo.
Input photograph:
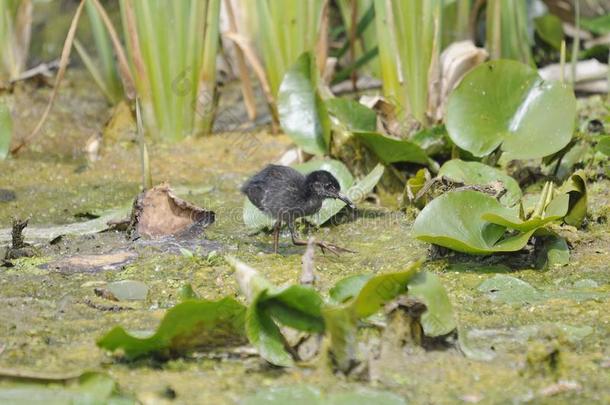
(345, 199)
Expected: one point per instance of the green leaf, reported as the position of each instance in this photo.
(334, 167)
(510, 290)
(475, 173)
(189, 325)
(357, 193)
(598, 25)
(557, 209)
(352, 114)
(454, 220)
(506, 104)
(380, 289)
(553, 253)
(438, 319)
(603, 145)
(88, 388)
(576, 188)
(128, 290)
(255, 218)
(265, 335)
(348, 287)
(296, 306)
(302, 112)
(341, 327)
(6, 130)
(309, 395)
(432, 140)
(390, 150)
(549, 29)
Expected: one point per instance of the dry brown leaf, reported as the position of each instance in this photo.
(158, 212)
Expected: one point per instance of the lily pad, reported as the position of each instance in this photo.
(352, 114)
(127, 290)
(476, 173)
(88, 388)
(190, 325)
(505, 104)
(6, 130)
(510, 290)
(438, 319)
(307, 395)
(556, 209)
(454, 220)
(302, 112)
(391, 150)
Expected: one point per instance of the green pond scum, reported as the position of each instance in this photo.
(481, 264)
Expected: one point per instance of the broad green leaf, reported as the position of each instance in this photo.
(296, 306)
(341, 326)
(334, 167)
(380, 289)
(255, 218)
(550, 29)
(264, 334)
(352, 114)
(599, 25)
(557, 209)
(302, 112)
(188, 326)
(348, 287)
(6, 130)
(506, 104)
(88, 388)
(510, 290)
(357, 193)
(454, 220)
(438, 319)
(128, 290)
(391, 150)
(475, 173)
(576, 188)
(432, 140)
(293, 395)
(553, 252)
(308, 395)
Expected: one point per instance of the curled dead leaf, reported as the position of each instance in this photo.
(159, 212)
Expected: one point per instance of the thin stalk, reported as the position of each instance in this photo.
(562, 60)
(144, 158)
(576, 43)
(206, 84)
(103, 46)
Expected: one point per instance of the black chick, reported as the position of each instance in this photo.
(284, 194)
